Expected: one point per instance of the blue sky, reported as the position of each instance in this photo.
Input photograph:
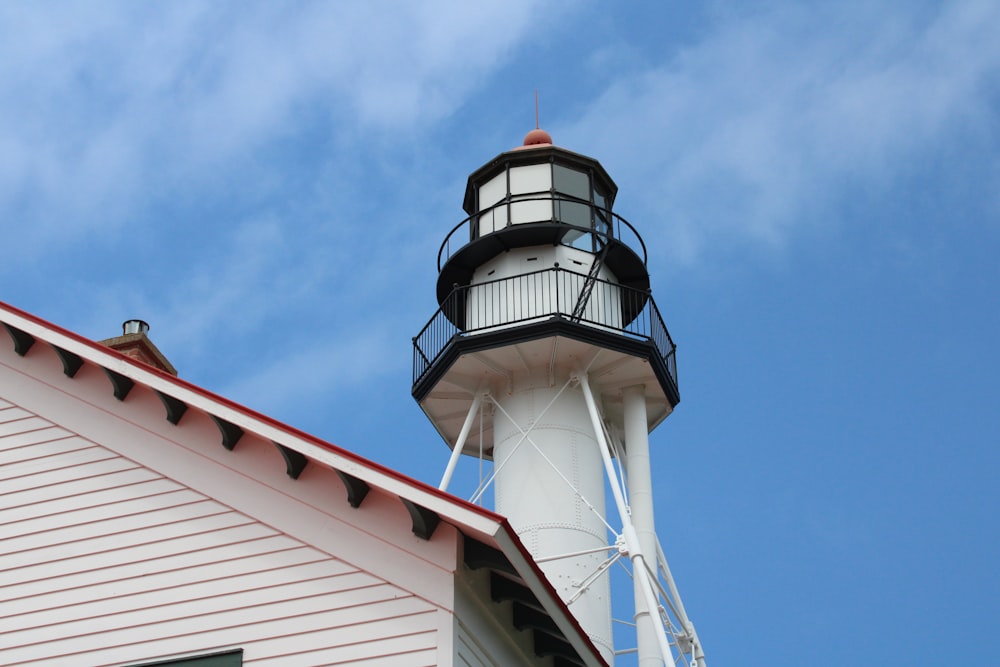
(818, 185)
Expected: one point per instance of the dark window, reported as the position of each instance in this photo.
(223, 659)
(571, 182)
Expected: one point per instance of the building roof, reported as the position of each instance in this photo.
(490, 542)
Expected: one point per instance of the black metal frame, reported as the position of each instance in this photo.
(540, 304)
(618, 227)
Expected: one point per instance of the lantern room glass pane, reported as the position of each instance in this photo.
(493, 190)
(600, 201)
(571, 182)
(490, 193)
(602, 217)
(530, 178)
(530, 188)
(573, 213)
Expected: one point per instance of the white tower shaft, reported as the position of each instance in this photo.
(551, 490)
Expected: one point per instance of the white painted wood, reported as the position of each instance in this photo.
(76, 487)
(84, 521)
(12, 412)
(25, 425)
(108, 545)
(161, 577)
(483, 631)
(78, 537)
(94, 567)
(284, 568)
(408, 650)
(262, 605)
(366, 639)
(239, 591)
(57, 506)
(10, 473)
(234, 546)
(73, 467)
(341, 626)
(313, 508)
(39, 444)
(20, 568)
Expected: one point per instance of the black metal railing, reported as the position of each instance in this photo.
(593, 223)
(472, 310)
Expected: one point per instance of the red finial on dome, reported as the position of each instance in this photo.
(537, 137)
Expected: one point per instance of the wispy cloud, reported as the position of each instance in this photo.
(107, 113)
(778, 115)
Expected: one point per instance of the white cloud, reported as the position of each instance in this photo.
(105, 110)
(761, 128)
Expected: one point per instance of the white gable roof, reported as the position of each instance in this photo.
(170, 408)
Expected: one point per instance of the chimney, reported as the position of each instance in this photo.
(134, 342)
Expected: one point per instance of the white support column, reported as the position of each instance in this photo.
(460, 443)
(645, 588)
(640, 490)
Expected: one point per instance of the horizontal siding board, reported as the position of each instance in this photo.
(117, 501)
(70, 473)
(469, 653)
(260, 587)
(85, 599)
(228, 628)
(69, 489)
(13, 475)
(10, 413)
(205, 610)
(24, 425)
(171, 527)
(75, 528)
(189, 557)
(384, 644)
(39, 444)
(137, 552)
(11, 443)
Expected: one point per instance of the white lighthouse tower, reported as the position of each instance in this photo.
(549, 358)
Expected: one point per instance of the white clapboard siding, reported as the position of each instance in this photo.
(408, 642)
(105, 562)
(72, 466)
(74, 490)
(22, 425)
(226, 557)
(36, 472)
(83, 528)
(38, 444)
(476, 640)
(273, 557)
(10, 413)
(93, 518)
(57, 506)
(367, 619)
(468, 653)
(360, 635)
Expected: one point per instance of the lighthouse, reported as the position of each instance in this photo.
(549, 358)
